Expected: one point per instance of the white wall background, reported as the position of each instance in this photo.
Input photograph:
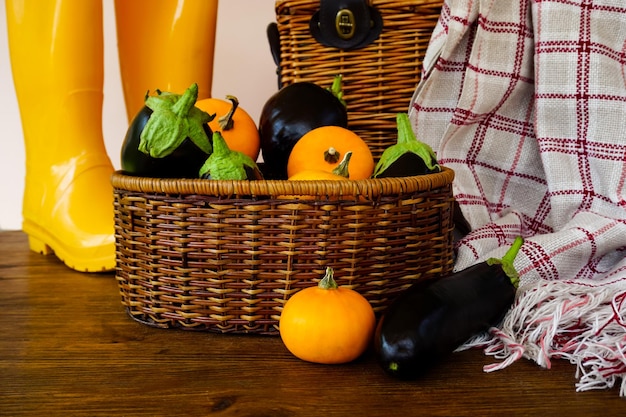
(243, 67)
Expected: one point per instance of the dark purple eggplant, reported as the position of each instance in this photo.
(406, 165)
(408, 156)
(290, 113)
(432, 318)
(168, 138)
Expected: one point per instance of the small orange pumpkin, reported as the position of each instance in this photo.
(340, 172)
(315, 176)
(327, 324)
(237, 127)
(323, 149)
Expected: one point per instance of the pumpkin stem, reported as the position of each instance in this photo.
(226, 121)
(331, 155)
(342, 168)
(328, 282)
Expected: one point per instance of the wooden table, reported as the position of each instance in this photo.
(67, 347)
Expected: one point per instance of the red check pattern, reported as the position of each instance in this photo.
(526, 101)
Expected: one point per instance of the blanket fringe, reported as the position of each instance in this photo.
(584, 323)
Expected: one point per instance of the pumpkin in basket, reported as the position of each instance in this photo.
(340, 172)
(323, 149)
(236, 125)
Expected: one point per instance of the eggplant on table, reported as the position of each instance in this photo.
(432, 318)
(169, 137)
(290, 113)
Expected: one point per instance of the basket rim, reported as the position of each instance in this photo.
(371, 187)
(279, 3)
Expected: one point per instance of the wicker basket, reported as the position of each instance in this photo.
(379, 79)
(224, 256)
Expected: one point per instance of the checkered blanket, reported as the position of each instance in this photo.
(526, 101)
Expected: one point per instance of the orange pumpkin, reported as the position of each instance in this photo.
(237, 127)
(326, 323)
(340, 172)
(316, 175)
(323, 149)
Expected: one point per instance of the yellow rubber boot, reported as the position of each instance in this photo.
(166, 45)
(56, 50)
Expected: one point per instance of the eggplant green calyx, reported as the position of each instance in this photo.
(226, 164)
(337, 89)
(407, 143)
(328, 281)
(507, 261)
(174, 119)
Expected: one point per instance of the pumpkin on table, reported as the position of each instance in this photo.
(326, 323)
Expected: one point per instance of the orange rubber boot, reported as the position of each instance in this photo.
(166, 45)
(56, 50)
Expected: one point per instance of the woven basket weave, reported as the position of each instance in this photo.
(224, 256)
(379, 79)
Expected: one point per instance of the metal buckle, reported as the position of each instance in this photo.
(344, 24)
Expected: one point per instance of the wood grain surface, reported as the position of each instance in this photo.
(68, 348)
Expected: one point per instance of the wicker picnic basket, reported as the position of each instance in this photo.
(378, 79)
(224, 256)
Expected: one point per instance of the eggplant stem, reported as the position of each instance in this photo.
(226, 121)
(220, 147)
(186, 102)
(511, 254)
(405, 131)
(507, 261)
(328, 282)
(337, 89)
